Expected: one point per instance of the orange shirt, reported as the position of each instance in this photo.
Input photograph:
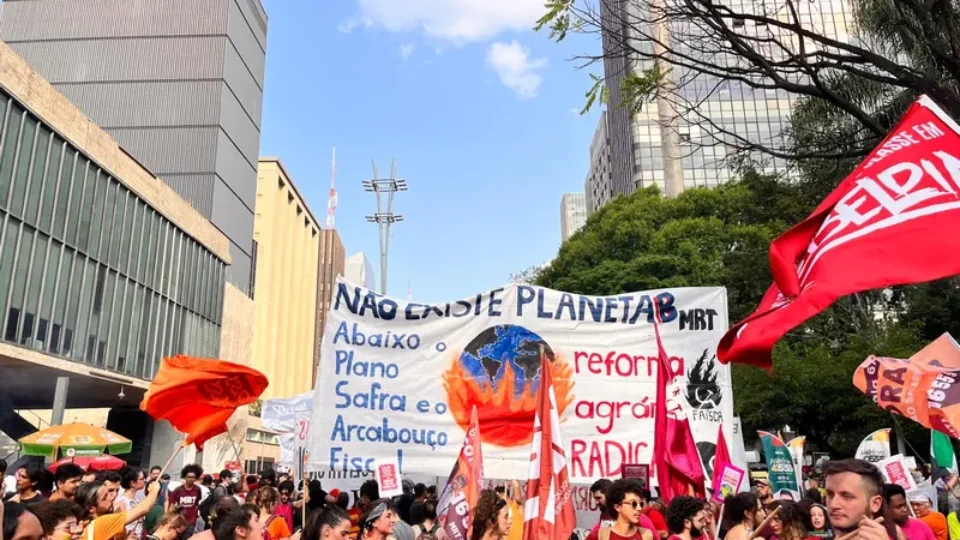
(278, 528)
(107, 527)
(937, 523)
(354, 514)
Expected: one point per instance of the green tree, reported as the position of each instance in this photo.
(721, 237)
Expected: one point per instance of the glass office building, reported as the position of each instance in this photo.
(89, 271)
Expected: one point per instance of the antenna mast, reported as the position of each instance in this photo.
(332, 202)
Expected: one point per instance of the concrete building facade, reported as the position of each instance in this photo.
(104, 268)
(179, 83)
(332, 264)
(359, 271)
(287, 239)
(599, 184)
(573, 214)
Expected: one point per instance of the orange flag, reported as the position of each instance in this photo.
(198, 396)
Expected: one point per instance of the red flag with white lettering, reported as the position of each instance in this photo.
(464, 485)
(548, 511)
(892, 221)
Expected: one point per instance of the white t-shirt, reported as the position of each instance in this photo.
(124, 504)
(9, 484)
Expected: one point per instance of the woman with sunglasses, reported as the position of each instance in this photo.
(491, 517)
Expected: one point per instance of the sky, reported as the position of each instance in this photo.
(480, 112)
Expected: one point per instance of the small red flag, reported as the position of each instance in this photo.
(888, 223)
(721, 458)
(679, 470)
(198, 396)
(464, 485)
(548, 511)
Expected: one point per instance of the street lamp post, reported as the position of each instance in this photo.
(384, 188)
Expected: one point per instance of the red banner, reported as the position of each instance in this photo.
(463, 488)
(886, 224)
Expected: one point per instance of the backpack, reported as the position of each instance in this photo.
(428, 535)
(206, 507)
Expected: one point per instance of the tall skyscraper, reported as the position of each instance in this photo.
(359, 271)
(332, 264)
(179, 83)
(573, 214)
(646, 138)
(599, 184)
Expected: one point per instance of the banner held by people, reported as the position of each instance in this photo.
(892, 205)
(279, 414)
(781, 473)
(400, 378)
(548, 510)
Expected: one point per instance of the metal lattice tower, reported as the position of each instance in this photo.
(384, 218)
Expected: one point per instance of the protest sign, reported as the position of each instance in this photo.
(782, 475)
(896, 471)
(731, 477)
(639, 472)
(278, 414)
(399, 378)
(875, 447)
(923, 388)
(388, 477)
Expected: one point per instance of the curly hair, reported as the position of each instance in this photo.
(792, 519)
(52, 513)
(192, 468)
(680, 510)
(486, 512)
(268, 497)
(617, 492)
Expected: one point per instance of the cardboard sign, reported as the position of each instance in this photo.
(639, 472)
(896, 471)
(730, 480)
(388, 476)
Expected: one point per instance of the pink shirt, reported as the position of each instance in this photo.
(286, 512)
(645, 523)
(917, 530)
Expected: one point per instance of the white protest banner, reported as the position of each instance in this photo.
(398, 379)
(875, 447)
(896, 471)
(278, 414)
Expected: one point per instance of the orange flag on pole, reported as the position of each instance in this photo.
(198, 396)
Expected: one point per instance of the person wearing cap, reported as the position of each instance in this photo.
(765, 493)
(896, 499)
(923, 508)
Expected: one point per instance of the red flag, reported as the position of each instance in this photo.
(720, 459)
(463, 488)
(679, 470)
(198, 396)
(548, 511)
(886, 224)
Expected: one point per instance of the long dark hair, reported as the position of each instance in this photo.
(485, 513)
(331, 516)
(735, 508)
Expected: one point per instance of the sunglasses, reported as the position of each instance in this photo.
(634, 503)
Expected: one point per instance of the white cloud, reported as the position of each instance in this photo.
(516, 69)
(406, 51)
(457, 21)
(347, 26)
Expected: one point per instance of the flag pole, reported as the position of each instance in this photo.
(180, 447)
(306, 490)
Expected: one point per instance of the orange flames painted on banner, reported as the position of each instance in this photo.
(506, 411)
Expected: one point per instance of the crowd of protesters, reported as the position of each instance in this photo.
(71, 504)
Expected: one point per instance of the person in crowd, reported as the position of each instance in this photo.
(112, 480)
(923, 508)
(60, 519)
(432, 494)
(3, 479)
(67, 479)
(222, 490)
(406, 500)
(97, 502)
(511, 494)
(855, 500)
(284, 508)
(376, 522)
(89, 477)
(624, 502)
(170, 526)
(813, 495)
(206, 487)
(765, 494)
(430, 525)
(953, 525)
(331, 523)
(491, 517)
(244, 524)
(741, 516)
(268, 477)
(817, 524)
(686, 519)
(275, 527)
(343, 499)
(222, 507)
(419, 499)
(788, 523)
(29, 478)
(897, 510)
(599, 493)
(20, 523)
(131, 481)
(186, 498)
(369, 491)
(401, 529)
(654, 512)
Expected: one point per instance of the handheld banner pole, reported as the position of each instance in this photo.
(180, 447)
(765, 522)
